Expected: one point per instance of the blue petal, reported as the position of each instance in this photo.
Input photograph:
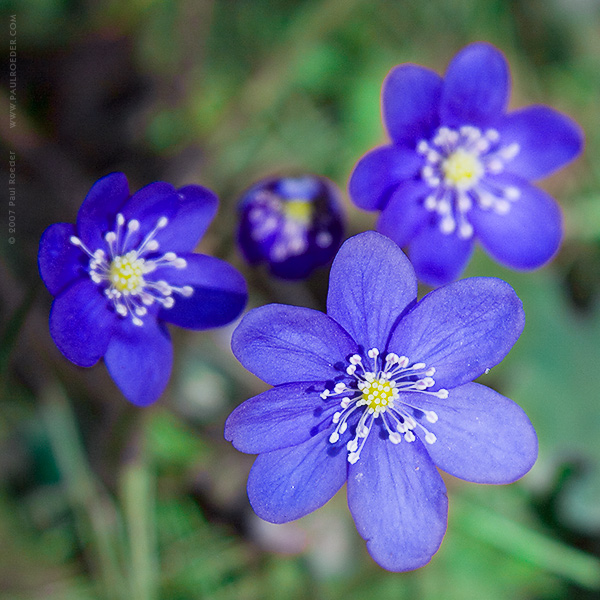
(139, 359)
(284, 416)
(482, 436)
(476, 87)
(60, 263)
(547, 140)
(197, 207)
(526, 237)
(378, 172)
(399, 503)
(219, 292)
(148, 205)
(370, 285)
(461, 329)
(404, 214)
(410, 103)
(438, 257)
(287, 484)
(82, 323)
(284, 344)
(96, 215)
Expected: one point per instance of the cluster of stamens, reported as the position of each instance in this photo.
(122, 271)
(456, 165)
(288, 220)
(377, 393)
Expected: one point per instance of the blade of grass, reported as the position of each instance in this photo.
(526, 544)
(96, 518)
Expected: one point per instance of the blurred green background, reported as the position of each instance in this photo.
(101, 500)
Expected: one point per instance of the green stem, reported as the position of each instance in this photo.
(95, 516)
(527, 545)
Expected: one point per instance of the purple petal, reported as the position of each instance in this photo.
(410, 103)
(378, 172)
(461, 329)
(528, 235)
(60, 263)
(476, 87)
(148, 205)
(404, 214)
(371, 283)
(482, 436)
(438, 257)
(287, 484)
(219, 292)
(197, 207)
(139, 359)
(284, 416)
(547, 140)
(82, 323)
(398, 501)
(284, 344)
(96, 215)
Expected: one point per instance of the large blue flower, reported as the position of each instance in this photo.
(378, 392)
(127, 267)
(459, 167)
(293, 224)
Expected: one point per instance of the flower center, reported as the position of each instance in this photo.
(462, 169)
(459, 167)
(122, 271)
(126, 273)
(378, 394)
(374, 393)
(299, 210)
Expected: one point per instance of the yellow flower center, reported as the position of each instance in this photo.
(462, 169)
(379, 394)
(298, 210)
(126, 273)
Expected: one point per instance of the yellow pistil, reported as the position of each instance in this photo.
(462, 169)
(299, 210)
(126, 273)
(378, 394)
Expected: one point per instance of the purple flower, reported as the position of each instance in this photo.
(293, 224)
(459, 167)
(127, 267)
(378, 392)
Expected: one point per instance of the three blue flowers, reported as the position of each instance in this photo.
(378, 392)
(458, 168)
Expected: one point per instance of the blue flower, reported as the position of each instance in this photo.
(378, 392)
(293, 224)
(124, 269)
(459, 167)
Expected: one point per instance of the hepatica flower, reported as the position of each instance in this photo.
(293, 224)
(127, 268)
(378, 392)
(459, 167)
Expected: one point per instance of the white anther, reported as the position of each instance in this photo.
(133, 225)
(502, 207)
(170, 256)
(140, 311)
(336, 417)
(324, 394)
(510, 151)
(162, 223)
(110, 237)
(430, 371)
(395, 437)
(373, 353)
(512, 193)
(431, 416)
(120, 220)
(351, 369)
(334, 437)
(353, 457)
(430, 203)
(137, 321)
(75, 241)
(352, 445)
(180, 263)
(121, 309)
(339, 387)
(409, 436)
(343, 427)
(392, 358)
(168, 302)
(447, 225)
(355, 359)
(427, 381)
(443, 394)
(345, 403)
(422, 147)
(152, 246)
(495, 166)
(465, 231)
(492, 135)
(430, 438)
